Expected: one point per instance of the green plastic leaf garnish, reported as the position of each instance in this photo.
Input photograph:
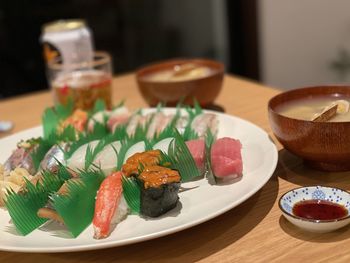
(80, 200)
(209, 139)
(23, 207)
(132, 194)
(181, 159)
(100, 105)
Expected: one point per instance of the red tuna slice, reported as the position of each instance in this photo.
(223, 166)
(226, 158)
(197, 150)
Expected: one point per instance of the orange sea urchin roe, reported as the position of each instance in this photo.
(78, 120)
(155, 176)
(147, 158)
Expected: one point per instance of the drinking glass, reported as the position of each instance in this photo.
(83, 83)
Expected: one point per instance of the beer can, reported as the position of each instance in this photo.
(68, 40)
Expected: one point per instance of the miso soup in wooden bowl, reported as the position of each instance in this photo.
(181, 80)
(314, 124)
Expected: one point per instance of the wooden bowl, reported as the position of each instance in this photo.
(323, 145)
(203, 89)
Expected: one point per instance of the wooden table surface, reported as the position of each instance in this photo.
(253, 231)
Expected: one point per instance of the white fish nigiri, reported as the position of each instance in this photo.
(77, 160)
(107, 158)
(163, 145)
(98, 117)
(136, 148)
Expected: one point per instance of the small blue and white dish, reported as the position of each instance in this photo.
(320, 193)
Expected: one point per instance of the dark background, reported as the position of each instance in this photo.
(134, 32)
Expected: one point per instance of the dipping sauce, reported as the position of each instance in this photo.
(308, 108)
(319, 210)
(181, 72)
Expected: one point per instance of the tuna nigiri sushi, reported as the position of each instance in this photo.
(110, 206)
(197, 150)
(226, 159)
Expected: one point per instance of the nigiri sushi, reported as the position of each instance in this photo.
(77, 160)
(159, 191)
(226, 158)
(197, 150)
(117, 117)
(98, 117)
(137, 120)
(110, 206)
(78, 120)
(202, 122)
(107, 158)
(48, 211)
(164, 144)
(181, 123)
(53, 156)
(21, 157)
(134, 162)
(158, 124)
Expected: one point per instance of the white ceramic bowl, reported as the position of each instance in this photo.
(335, 195)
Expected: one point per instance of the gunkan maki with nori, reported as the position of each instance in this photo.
(159, 190)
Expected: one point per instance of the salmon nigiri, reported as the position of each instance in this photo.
(110, 206)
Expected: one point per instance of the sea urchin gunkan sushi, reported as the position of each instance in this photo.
(159, 191)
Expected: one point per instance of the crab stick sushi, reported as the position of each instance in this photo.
(110, 206)
(226, 158)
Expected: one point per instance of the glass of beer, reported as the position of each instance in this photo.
(83, 82)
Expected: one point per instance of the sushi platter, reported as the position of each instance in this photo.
(199, 197)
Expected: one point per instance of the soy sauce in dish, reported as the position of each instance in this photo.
(319, 210)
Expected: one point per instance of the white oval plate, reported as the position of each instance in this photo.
(197, 205)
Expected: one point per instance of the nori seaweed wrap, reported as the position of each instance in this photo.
(159, 190)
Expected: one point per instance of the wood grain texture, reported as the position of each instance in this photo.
(253, 231)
